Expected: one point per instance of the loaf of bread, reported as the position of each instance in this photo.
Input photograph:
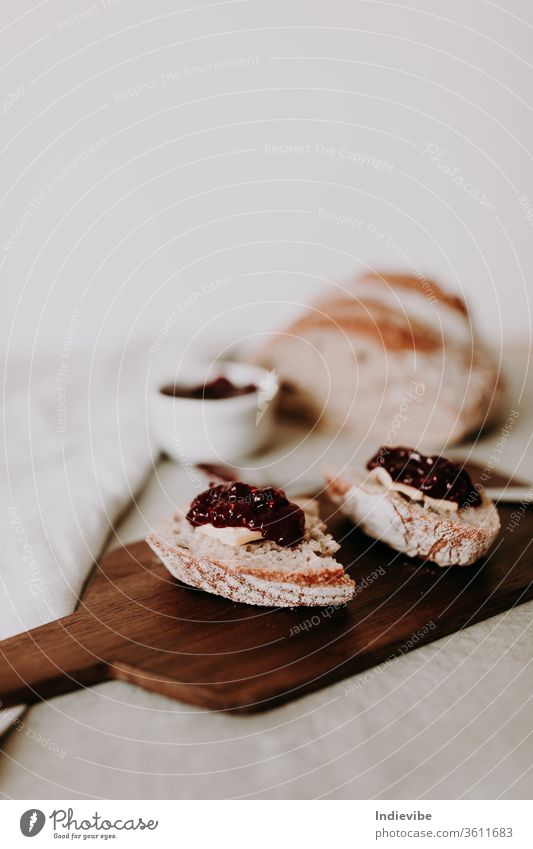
(391, 359)
(261, 572)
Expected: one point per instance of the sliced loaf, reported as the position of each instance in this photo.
(387, 357)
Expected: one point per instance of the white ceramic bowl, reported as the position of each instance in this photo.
(214, 431)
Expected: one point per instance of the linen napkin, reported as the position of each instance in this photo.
(75, 452)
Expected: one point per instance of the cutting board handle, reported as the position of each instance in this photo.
(48, 661)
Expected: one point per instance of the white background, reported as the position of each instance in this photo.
(180, 190)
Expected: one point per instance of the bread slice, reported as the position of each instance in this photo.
(261, 573)
(418, 528)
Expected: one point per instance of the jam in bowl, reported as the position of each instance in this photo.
(214, 390)
(214, 413)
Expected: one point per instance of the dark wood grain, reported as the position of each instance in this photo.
(136, 623)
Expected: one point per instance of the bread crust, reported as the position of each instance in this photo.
(414, 528)
(414, 284)
(387, 327)
(257, 584)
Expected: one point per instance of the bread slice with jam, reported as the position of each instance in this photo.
(261, 572)
(422, 506)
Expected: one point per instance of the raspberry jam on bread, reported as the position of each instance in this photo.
(434, 476)
(240, 505)
(216, 390)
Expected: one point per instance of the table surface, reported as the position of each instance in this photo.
(450, 720)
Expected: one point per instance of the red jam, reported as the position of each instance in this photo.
(240, 505)
(435, 476)
(217, 389)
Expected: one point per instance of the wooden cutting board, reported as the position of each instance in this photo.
(136, 623)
